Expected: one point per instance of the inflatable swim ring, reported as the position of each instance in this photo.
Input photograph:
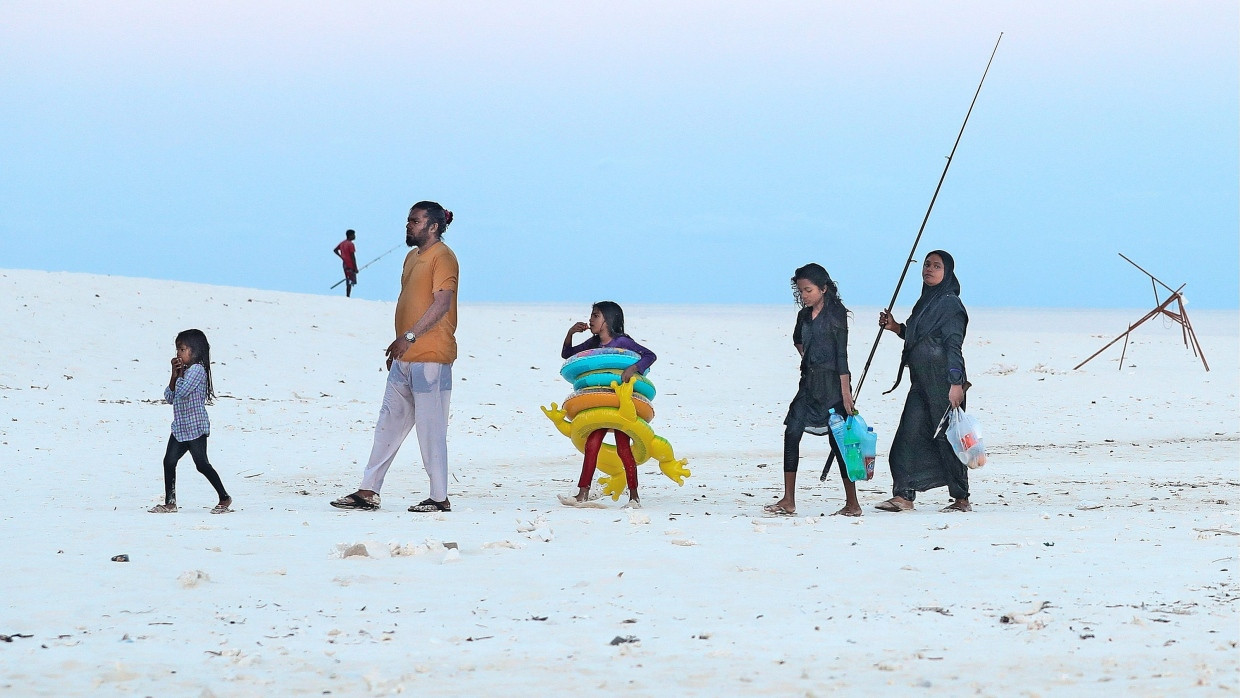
(603, 377)
(591, 398)
(596, 359)
(622, 411)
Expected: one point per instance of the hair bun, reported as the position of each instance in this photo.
(447, 218)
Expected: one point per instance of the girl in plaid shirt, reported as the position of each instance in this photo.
(188, 390)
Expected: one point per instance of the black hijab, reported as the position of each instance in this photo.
(936, 305)
(928, 313)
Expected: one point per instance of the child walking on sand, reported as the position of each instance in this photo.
(607, 325)
(188, 390)
(821, 337)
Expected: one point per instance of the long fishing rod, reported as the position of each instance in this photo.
(370, 263)
(922, 229)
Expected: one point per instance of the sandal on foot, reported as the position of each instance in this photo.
(893, 505)
(844, 511)
(429, 504)
(357, 502)
(163, 509)
(779, 510)
(957, 506)
(222, 507)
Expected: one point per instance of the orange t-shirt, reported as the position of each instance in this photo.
(425, 273)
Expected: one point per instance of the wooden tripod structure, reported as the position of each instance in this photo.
(1179, 316)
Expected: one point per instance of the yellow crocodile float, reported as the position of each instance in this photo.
(645, 443)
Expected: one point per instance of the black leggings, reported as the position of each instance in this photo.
(792, 447)
(198, 451)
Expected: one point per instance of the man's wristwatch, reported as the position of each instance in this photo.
(411, 337)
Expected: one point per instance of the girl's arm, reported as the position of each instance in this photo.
(643, 364)
(568, 349)
(178, 368)
(841, 365)
(846, 391)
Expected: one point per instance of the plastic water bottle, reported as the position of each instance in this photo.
(869, 451)
(855, 427)
(836, 422)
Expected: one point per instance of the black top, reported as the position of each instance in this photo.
(824, 340)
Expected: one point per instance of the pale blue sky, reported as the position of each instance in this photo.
(640, 151)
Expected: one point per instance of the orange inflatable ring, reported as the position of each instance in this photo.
(591, 398)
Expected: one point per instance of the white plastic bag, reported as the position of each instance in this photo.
(965, 436)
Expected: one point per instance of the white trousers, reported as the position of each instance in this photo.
(417, 395)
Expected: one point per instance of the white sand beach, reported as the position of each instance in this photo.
(1105, 523)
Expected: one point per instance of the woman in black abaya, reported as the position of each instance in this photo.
(933, 336)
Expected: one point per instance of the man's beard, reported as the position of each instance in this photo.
(409, 241)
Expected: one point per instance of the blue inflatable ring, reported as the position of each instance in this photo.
(595, 359)
(603, 378)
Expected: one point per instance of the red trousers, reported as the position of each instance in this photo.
(593, 443)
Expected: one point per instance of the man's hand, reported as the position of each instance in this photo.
(396, 350)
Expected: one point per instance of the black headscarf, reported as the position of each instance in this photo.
(930, 311)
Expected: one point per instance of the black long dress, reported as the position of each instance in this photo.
(934, 335)
(824, 340)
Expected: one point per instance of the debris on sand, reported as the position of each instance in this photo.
(624, 640)
(192, 578)
(355, 550)
(1026, 618)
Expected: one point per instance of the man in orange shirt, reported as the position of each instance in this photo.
(419, 363)
(347, 252)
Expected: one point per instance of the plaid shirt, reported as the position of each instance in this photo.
(189, 404)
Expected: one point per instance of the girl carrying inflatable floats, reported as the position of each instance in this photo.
(610, 394)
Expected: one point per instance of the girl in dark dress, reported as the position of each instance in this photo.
(933, 336)
(821, 337)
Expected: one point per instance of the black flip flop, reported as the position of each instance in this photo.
(429, 504)
(355, 501)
